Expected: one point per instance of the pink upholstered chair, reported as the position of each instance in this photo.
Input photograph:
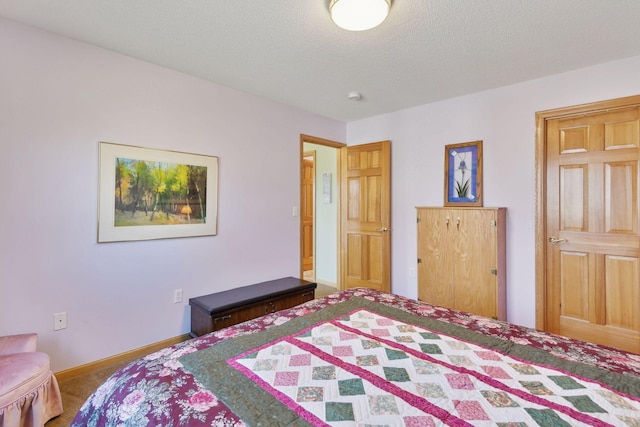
(29, 393)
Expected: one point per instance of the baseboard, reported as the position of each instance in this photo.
(324, 282)
(118, 358)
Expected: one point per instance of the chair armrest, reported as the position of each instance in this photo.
(21, 343)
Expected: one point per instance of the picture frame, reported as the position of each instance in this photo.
(463, 174)
(147, 193)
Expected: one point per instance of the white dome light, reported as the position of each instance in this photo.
(359, 15)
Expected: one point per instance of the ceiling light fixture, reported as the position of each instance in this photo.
(359, 15)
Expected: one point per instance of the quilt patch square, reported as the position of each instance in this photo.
(383, 405)
(488, 355)
(499, 399)
(565, 382)
(300, 360)
(396, 374)
(430, 390)
(342, 351)
(339, 411)
(547, 418)
(278, 350)
(584, 404)
(523, 369)
(423, 367)
(460, 381)
(369, 360)
(310, 394)
(265, 365)
(536, 387)
(496, 372)
(461, 361)
(419, 422)
(352, 387)
(430, 348)
(470, 410)
(323, 373)
(369, 344)
(615, 400)
(346, 336)
(393, 354)
(286, 378)
(429, 336)
(384, 322)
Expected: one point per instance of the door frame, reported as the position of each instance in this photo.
(327, 143)
(541, 185)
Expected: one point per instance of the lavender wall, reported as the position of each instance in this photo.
(58, 99)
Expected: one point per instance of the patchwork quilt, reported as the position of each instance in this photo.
(376, 366)
(365, 358)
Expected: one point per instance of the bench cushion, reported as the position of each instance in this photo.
(237, 297)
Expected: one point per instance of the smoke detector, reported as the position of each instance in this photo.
(354, 96)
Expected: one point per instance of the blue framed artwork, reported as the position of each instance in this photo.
(463, 174)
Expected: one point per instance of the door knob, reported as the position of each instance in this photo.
(554, 240)
(384, 229)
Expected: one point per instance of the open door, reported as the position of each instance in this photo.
(308, 202)
(365, 216)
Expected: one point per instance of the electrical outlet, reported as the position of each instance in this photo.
(177, 296)
(412, 272)
(59, 321)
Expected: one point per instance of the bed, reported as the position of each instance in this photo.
(366, 358)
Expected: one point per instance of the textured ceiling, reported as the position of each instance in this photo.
(291, 52)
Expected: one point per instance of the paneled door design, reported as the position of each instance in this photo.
(308, 201)
(366, 216)
(592, 244)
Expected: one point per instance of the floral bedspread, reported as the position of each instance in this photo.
(157, 391)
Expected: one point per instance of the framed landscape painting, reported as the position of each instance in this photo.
(463, 174)
(148, 194)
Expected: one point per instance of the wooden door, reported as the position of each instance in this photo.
(476, 262)
(435, 260)
(308, 199)
(592, 246)
(365, 216)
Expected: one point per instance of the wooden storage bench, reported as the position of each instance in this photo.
(216, 311)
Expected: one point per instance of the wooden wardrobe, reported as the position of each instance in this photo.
(462, 259)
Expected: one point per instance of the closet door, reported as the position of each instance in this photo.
(475, 272)
(435, 263)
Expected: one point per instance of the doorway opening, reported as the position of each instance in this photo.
(320, 210)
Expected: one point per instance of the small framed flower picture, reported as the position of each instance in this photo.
(463, 174)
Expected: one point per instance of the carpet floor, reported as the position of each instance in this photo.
(76, 390)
